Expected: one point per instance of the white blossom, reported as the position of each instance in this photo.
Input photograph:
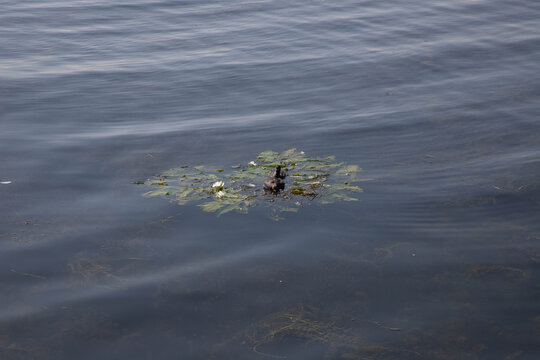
(220, 194)
(252, 163)
(218, 184)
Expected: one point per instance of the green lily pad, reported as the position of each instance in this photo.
(318, 180)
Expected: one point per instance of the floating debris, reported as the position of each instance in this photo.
(29, 275)
(310, 178)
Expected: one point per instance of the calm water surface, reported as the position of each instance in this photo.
(437, 101)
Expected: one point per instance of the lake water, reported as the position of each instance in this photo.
(437, 101)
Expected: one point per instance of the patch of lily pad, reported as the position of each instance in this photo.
(309, 179)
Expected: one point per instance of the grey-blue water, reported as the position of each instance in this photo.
(437, 101)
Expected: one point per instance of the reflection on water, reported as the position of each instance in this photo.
(438, 103)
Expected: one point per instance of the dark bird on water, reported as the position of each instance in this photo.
(277, 173)
(274, 184)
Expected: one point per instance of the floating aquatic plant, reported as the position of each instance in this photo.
(309, 179)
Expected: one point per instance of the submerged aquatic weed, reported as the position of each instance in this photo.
(311, 179)
(307, 325)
